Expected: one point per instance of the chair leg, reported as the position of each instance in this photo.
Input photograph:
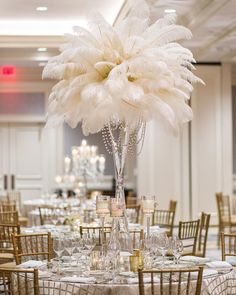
(218, 237)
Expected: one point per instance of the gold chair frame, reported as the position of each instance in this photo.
(162, 286)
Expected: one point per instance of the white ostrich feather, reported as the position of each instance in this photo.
(127, 73)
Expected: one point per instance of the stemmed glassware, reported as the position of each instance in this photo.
(58, 247)
(69, 241)
(87, 245)
(162, 244)
(177, 248)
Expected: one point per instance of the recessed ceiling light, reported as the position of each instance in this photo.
(42, 8)
(170, 10)
(42, 49)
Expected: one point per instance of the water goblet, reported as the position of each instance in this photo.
(162, 245)
(58, 247)
(177, 248)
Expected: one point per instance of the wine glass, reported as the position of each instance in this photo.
(54, 217)
(69, 244)
(78, 246)
(162, 245)
(58, 247)
(177, 248)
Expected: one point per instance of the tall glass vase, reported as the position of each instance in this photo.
(120, 228)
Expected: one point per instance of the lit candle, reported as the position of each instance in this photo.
(93, 151)
(102, 161)
(103, 205)
(117, 208)
(148, 206)
(67, 162)
(84, 142)
(58, 179)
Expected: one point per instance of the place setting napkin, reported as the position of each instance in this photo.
(219, 265)
(31, 264)
(195, 259)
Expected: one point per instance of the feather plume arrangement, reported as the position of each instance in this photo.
(130, 72)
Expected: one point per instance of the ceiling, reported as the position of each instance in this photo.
(24, 29)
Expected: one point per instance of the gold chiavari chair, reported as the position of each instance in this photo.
(173, 205)
(96, 232)
(188, 233)
(10, 217)
(19, 281)
(203, 234)
(226, 219)
(6, 206)
(6, 246)
(131, 199)
(134, 209)
(15, 197)
(228, 247)
(164, 219)
(171, 281)
(32, 247)
(137, 236)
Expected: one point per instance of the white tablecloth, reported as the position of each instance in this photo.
(218, 285)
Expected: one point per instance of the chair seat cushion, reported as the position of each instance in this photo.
(6, 255)
(23, 221)
(8, 265)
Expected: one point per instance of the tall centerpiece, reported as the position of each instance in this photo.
(116, 78)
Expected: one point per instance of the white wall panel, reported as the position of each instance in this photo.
(192, 167)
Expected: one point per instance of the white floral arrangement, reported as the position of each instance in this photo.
(132, 72)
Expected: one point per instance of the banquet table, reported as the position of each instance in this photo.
(30, 207)
(224, 284)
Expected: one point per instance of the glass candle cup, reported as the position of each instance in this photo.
(103, 205)
(117, 208)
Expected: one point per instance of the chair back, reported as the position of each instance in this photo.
(223, 206)
(228, 245)
(32, 247)
(171, 281)
(6, 206)
(133, 213)
(6, 231)
(164, 219)
(131, 199)
(96, 232)
(137, 237)
(203, 234)
(19, 282)
(15, 196)
(10, 217)
(173, 205)
(188, 233)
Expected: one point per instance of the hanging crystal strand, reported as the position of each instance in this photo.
(120, 149)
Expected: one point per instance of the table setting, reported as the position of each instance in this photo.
(80, 265)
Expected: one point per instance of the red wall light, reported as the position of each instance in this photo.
(8, 71)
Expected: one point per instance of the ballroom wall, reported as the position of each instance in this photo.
(198, 163)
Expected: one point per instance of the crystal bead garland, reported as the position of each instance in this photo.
(119, 141)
